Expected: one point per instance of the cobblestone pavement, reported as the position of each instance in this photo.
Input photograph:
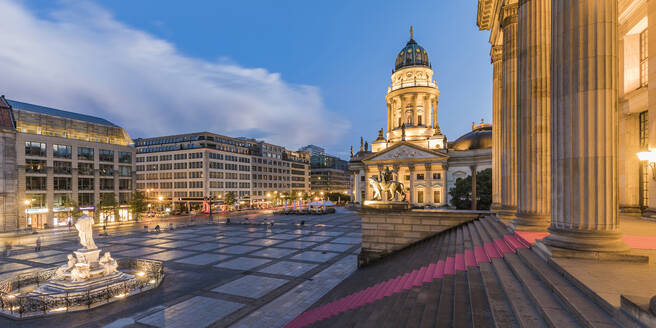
(244, 274)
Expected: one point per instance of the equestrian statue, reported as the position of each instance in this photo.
(386, 187)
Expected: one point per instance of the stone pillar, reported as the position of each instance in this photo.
(474, 203)
(584, 211)
(534, 116)
(496, 56)
(411, 169)
(509, 113)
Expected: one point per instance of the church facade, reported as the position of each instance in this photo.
(414, 147)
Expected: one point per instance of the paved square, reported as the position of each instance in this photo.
(251, 286)
(264, 242)
(198, 311)
(274, 252)
(204, 259)
(333, 247)
(169, 255)
(242, 263)
(297, 244)
(239, 249)
(288, 268)
(234, 240)
(137, 252)
(203, 247)
(177, 244)
(314, 256)
(347, 240)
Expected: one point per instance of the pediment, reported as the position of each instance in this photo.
(405, 152)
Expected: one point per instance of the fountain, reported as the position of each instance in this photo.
(87, 280)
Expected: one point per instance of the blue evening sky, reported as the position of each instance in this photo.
(344, 48)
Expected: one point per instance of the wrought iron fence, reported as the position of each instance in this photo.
(18, 306)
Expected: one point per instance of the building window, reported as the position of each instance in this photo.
(61, 151)
(124, 197)
(124, 157)
(419, 120)
(644, 68)
(60, 167)
(85, 168)
(106, 170)
(420, 176)
(35, 166)
(35, 183)
(124, 171)
(85, 154)
(106, 184)
(437, 197)
(125, 184)
(407, 177)
(644, 129)
(420, 196)
(35, 149)
(62, 183)
(36, 200)
(85, 183)
(105, 155)
(85, 199)
(437, 176)
(61, 200)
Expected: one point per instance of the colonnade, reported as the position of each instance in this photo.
(555, 101)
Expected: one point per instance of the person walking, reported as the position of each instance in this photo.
(37, 248)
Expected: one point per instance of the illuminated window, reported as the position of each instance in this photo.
(420, 196)
(644, 68)
(644, 129)
(436, 196)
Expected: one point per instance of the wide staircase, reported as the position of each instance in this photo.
(478, 274)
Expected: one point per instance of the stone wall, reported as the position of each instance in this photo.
(8, 182)
(384, 231)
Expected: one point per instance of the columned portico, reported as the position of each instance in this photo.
(584, 213)
(509, 112)
(534, 116)
(496, 56)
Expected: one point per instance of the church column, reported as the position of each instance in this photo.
(497, 185)
(534, 116)
(411, 169)
(474, 202)
(428, 178)
(356, 189)
(584, 127)
(509, 113)
(365, 184)
(390, 117)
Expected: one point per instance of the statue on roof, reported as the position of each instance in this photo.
(351, 150)
(366, 146)
(361, 144)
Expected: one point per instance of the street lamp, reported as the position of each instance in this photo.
(650, 157)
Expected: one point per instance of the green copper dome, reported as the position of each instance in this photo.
(412, 55)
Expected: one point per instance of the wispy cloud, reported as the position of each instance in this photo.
(81, 58)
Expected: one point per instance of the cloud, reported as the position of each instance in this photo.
(82, 59)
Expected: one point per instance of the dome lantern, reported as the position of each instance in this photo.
(412, 55)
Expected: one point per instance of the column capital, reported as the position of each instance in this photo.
(508, 14)
(496, 53)
(427, 166)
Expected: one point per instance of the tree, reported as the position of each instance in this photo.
(230, 198)
(138, 204)
(461, 193)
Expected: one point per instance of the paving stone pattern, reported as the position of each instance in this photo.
(216, 275)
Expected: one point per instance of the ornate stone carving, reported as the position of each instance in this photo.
(84, 226)
(386, 187)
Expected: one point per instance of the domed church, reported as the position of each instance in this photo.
(413, 145)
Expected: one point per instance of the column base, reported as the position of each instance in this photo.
(525, 222)
(548, 252)
(507, 214)
(495, 207)
(630, 210)
(586, 240)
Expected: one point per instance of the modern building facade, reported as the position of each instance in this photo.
(63, 159)
(186, 168)
(414, 146)
(329, 174)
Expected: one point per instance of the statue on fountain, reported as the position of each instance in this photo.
(86, 263)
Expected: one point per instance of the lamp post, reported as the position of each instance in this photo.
(650, 157)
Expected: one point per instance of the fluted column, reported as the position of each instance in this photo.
(584, 76)
(534, 116)
(496, 55)
(509, 113)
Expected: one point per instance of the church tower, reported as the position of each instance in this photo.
(412, 101)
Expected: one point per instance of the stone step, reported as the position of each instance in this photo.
(588, 313)
(525, 311)
(480, 308)
(445, 305)
(500, 310)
